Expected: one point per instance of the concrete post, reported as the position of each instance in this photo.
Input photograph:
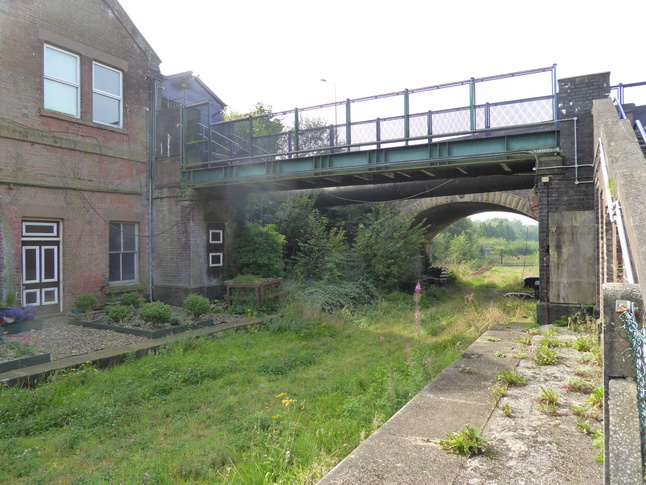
(623, 460)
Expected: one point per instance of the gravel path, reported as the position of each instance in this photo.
(63, 340)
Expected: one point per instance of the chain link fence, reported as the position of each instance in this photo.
(636, 337)
(408, 117)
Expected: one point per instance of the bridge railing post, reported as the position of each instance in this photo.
(472, 104)
(348, 123)
(296, 129)
(250, 140)
(406, 115)
(378, 132)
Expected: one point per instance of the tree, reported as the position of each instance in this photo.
(259, 251)
(258, 132)
(387, 246)
(463, 249)
(313, 250)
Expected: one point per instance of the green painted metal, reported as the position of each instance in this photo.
(456, 152)
(472, 104)
(406, 115)
(297, 145)
(348, 123)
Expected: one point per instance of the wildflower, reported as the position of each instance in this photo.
(382, 338)
(282, 394)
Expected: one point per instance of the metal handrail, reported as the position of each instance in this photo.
(615, 214)
(640, 128)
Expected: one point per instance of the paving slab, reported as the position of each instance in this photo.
(405, 449)
(528, 447)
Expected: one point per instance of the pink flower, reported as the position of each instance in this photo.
(418, 287)
(381, 338)
(26, 342)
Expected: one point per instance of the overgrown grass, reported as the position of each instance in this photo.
(281, 403)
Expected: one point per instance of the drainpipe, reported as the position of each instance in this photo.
(152, 146)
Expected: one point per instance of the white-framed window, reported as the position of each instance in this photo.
(39, 229)
(106, 95)
(215, 236)
(215, 259)
(61, 83)
(123, 252)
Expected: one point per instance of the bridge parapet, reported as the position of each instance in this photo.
(297, 142)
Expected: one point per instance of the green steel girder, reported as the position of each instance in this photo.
(463, 151)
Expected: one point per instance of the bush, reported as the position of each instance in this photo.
(132, 299)
(118, 313)
(336, 296)
(196, 305)
(157, 312)
(86, 302)
(259, 250)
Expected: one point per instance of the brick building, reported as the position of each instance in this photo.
(80, 98)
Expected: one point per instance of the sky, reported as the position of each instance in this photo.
(250, 51)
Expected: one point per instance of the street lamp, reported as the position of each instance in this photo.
(333, 84)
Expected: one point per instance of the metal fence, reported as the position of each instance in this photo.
(636, 337)
(406, 117)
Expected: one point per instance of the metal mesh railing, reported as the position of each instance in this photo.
(389, 118)
(636, 337)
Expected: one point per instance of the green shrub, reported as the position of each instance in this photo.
(118, 313)
(342, 295)
(157, 312)
(86, 302)
(196, 305)
(259, 250)
(132, 299)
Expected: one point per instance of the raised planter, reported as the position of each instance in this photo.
(21, 326)
(25, 361)
(162, 332)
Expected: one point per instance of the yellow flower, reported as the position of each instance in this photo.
(282, 394)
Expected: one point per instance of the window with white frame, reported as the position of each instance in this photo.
(106, 95)
(61, 81)
(123, 252)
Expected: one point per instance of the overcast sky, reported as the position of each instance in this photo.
(276, 52)
(250, 51)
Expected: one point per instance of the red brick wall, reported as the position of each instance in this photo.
(73, 170)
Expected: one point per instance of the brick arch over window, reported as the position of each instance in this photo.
(441, 212)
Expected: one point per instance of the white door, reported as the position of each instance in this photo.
(40, 263)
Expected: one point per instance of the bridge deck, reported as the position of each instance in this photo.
(504, 154)
(289, 150)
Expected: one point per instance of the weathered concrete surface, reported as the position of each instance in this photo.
(528, 447)
(626, 169)
(624, 443)
(572, 257)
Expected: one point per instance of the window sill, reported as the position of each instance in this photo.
(61, 116)
(117, 287)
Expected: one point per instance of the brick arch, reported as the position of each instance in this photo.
(441, 212)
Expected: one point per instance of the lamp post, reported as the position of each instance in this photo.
(333, 84)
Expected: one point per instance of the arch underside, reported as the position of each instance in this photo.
(440, 212)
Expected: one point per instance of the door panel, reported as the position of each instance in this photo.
(40, 263)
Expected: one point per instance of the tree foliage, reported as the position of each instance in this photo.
(387, 246)
(259, 251)
(264, 121)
